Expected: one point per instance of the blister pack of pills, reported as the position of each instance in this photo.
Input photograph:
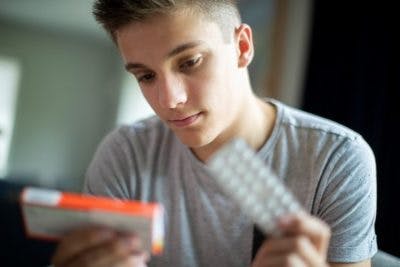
(256, 189)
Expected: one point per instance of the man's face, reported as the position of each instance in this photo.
(187, 72)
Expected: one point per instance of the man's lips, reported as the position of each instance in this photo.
(185, 121)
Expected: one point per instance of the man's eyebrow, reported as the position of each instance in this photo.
(130, 66)
(183, 47)
(173, 52)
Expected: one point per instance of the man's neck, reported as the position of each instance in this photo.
(254, 125)
(258, 129)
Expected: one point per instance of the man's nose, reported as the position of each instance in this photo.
(171, 92)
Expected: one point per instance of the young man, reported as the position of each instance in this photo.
(190, 59)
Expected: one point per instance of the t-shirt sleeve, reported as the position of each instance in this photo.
(348, 202)
(107, 173)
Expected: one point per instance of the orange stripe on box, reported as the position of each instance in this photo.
(87, 202)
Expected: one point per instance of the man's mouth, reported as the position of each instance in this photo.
(185, 121)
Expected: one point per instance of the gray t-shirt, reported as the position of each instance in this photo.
(329, 168)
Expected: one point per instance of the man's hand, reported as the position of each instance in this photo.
(303, 243)
(101, 248)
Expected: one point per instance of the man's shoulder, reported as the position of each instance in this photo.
(304, 132)
(295, 119)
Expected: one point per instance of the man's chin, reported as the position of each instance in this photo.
(193, 139)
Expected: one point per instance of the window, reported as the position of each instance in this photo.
(9, 77)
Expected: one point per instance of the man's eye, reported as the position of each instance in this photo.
(188, 64)
(146, 77)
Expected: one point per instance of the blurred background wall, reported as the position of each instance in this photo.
(65, 102)
(68, 92)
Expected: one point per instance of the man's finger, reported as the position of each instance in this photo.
(303, 224)
(81, 239)
(118, 251)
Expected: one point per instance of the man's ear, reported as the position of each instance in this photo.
(244, 45)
